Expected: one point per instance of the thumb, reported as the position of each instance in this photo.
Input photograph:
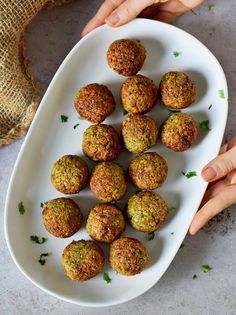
(128, 10)
(220, 166)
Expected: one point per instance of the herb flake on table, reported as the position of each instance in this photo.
(174, 111)
(189, 174)
(221, 94)
(171, 209)
(210, 107)
(41, 260)
(43, 204)
(172, 233)
(106, 278)
(176, 54)
(210, 6)
(125, 112)
(151, 236)
(204, 125)
(21, 208)
(36, 239)
(205, 268)
(194, 277)
(64, 118)
(75, 126)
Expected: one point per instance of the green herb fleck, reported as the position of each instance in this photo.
(204, 125)
(41, 260)
(171, 209)
(75, 126)
(221, 94)
(210, 107)
(43, 204)
(182, 245)
(36, 239)
(64, 118)
(21, 208)
(174, 111)
(138, 41)
(176, 54)
(106, 278)
(138, 191)
(210, 6)
(125, 112)
(194, 277)
(189, 174)
(172, 233)
(81, 118)
(205, 268)
(151, 236)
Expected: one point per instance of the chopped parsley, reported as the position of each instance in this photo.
(64, 118)
(182, 245)
(75, 126)
(176, 54)
(172, 233)
(106, 278)
(41, 260)
(138, 41)
(194, 277)
(36, 239)
(204, 125)
(138, 191)
(210, 6)
(189, 174)
(171, 209)
(151, 236)
(210, 107)
(21, 207)
(174, 110)
(221, 94)
(42, 204)
(205, 268)
(125, 112)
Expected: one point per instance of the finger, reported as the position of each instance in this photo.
(215, 205)
(104, 11)
(128, 10)
(220, 166)
(213, 190)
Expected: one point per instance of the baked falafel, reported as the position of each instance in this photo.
(108, 181)
(62, 217)
(82, 260)
(146, 211)
(128, 256)
(70, 174)
(94, 102)
(179, 131)
(101, 143)
(105, 222)
(148, 170)
(138, 94)
(139, 133)
(126, 57)
(177, 90)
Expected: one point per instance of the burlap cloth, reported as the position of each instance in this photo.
(19, 95)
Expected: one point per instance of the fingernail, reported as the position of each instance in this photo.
(113, 19)
(209, 173)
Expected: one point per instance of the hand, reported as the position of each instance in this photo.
(221, 192)
(119, 12)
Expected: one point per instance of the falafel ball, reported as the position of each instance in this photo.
(128, 256)
(94, 102)
(146, 211)
(177, 90)
(148, 170)
(101, 143)
(126, 57)
(179, 131)
(138, 94)
(108, 181)
(70, 174)
(62, 217)
(105, 222)
(139, 133)
(82, 260)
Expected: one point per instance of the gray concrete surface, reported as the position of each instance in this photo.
(50, 37)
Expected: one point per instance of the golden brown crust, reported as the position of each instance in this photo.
(94, 102)
(126, 57)
(128, 256)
